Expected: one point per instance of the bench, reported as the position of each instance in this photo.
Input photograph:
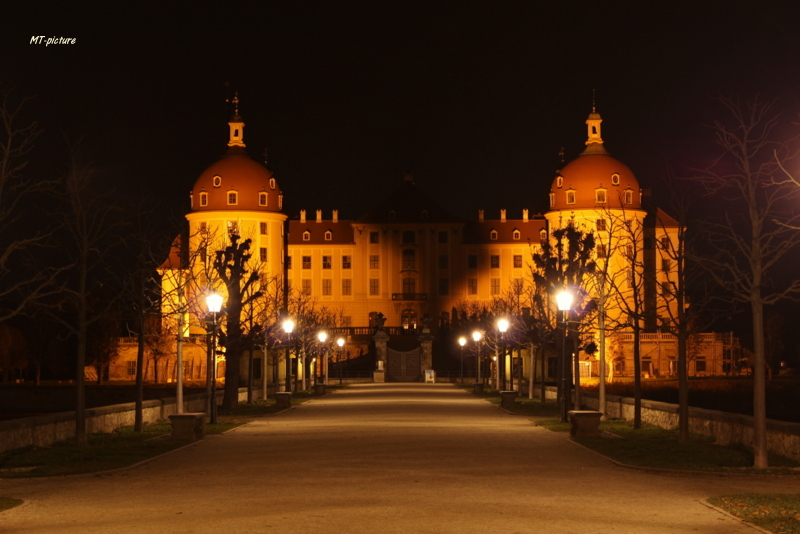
(508, 399)
(188, 425)
(584, 423)
(283, 400)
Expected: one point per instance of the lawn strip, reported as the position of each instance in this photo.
(775, 512)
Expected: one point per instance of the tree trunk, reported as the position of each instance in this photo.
(760, 460)
(637, 378)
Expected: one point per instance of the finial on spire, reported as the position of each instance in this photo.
(561, 154)
(236, 103)
(594, 108)
(236, 124)
(266, 159)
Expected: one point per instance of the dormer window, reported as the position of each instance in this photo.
(203, 198)
(570, 196)
(280, 202)
(493, 235)
(560, 181)
(328, 235)
(272, 183)
(392, 215)
(306, 236)
(515, 235)
(262, 199)
(424, 215)
(543, 235)
(615, 179)
(628, 196)
(600, 196)
(552, 200)
(217, 180)
(233, 198)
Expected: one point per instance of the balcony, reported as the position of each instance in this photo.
(409, 296)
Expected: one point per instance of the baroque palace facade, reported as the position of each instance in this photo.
(409, 261)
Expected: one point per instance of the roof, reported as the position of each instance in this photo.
(481, 232)
(408, 204)
(341, 232)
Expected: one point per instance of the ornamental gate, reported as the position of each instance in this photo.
(403, 366)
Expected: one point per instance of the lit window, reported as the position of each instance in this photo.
(347, 262)
(305, 287)
(328, 235)
(233, 228)
(233, 198)
(494, 261)
(204, 199)
(571, 196)
(327, 287)
(601, 225)
(374, 286)
(515, 235)
(495, 288)
(306, 262)
(131, 367)
(326, 262)
(493, 235)
(543, 235)
(615, 179)
(552, 200)
(518, 261)
(262, 254)
(559, 181)
(374, 262)
(280, 202)
(600, 196)
(217, 181)
(272, 183)
(472, 286)
(262, 199)
(347, 287)
(306, 236)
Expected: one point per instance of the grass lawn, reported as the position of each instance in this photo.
(121, 448)
(6, 503)
(779, 513)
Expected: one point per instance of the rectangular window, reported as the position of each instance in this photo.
(666, 289)
(288, 262)
(327, 287)
(442, 237)
(700, 366)
(262, 228)
(444, 286)
(306, 262)
(570, 197)
(472, 286)
(628, 197)
(600, 248)
(262, 254)
(347, 287)
(600, 196)
(347, 262)
(327, 261)
(131, 367)
(373, 261)
(233, 228)
(472, 261)
(518, 261)
(665, 244)
(232, 198)
(443, 261)
(665, 265)
(305, 287)
(495, 286)
(601, 225)
(374, 286)
(374, 237)
(495, 261)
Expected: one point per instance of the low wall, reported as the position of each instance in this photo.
(45, 430)
(726, 428)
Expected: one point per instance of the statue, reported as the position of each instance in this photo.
(380, 320)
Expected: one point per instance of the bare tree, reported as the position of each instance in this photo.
(756, 231)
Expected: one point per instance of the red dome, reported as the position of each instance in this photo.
(236, 182)
(580, 185)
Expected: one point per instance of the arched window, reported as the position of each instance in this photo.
(559, 181)
(515, 235)
(493, 235)
(272, 183)
(408, 319)
(328, 235)
(628, 196)
(552, 200)
(570, 196)
(306, 236)
(262, 199)
(203, 198)
(600, 196)
(233, 198)
(543, 235)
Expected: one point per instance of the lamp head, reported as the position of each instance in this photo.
(323, 337)
(462, 341)
(288, 326)
(476, 336)
(502, 325)
(564, 300)
(340, 342)
(214, 302)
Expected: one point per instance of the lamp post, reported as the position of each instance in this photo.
(476, 337)
(322, 337)
(288, 327)
(564, 301)
(340, 343)
(462, 341)
(502, 326)
(214, 303)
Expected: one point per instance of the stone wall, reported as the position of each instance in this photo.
(45, 430)
(726, 428)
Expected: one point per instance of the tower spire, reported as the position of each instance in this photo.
(236, 124)
(594, 141)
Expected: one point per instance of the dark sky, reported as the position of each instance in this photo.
(476, 98)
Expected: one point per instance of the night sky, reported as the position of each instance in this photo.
(476, 98)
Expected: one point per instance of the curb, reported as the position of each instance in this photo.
(739, 519)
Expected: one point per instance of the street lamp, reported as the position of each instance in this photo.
(288, 327)
(476, 337)
(214, 304)
(340, 342)
(323, 337)
(564, 301)
(502, 326)
(462, 341)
